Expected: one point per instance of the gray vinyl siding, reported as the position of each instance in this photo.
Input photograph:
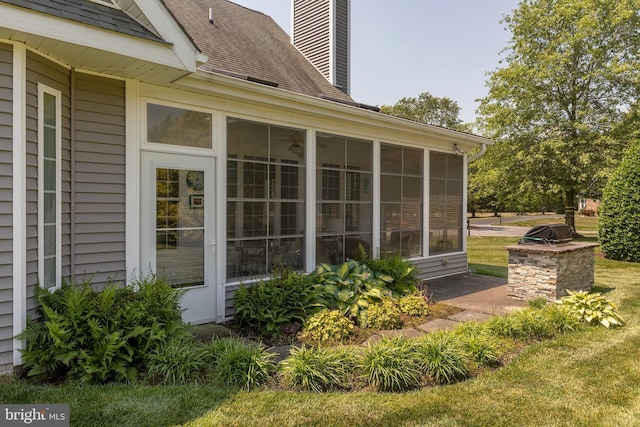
(228, 300)
(311, 32)
(41, 70)
(342, 19)
(441, 265)
(99, 231)
(6, 207)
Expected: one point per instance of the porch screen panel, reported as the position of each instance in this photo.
(445, 203)
(401, 180)
(344, 204)
(265, 198)
(179, 126)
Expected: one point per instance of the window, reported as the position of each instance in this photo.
(178, 126)
(344, 205)
(401, 178)
(49, 181)
(445, 203)
(265, 197)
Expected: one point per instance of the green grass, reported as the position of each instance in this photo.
(584, 378)
(488, 256)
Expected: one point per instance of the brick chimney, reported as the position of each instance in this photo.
(320, 29)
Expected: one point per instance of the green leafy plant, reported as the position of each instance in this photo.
(268, 306)
(443, 357)
(320, 369)
(593, 308)
(619, 224)
(401, 270)
(392, 365)
(327, 326)
(240, 364)
(350, 287)
(100, 337)
(414, 305)
(384, 315)
(526, 324)
(539, 302)
(178, 361)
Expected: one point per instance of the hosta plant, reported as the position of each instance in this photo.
(593, 308)
(327, 326)
(350, 287)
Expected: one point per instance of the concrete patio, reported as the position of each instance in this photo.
(474, 292)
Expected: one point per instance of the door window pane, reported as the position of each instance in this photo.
(180, 213)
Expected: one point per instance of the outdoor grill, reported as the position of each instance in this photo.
(548, 234)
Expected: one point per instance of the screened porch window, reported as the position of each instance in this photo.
(445, 203)
(401, 178)
(265, 197)
(344, 204)
(178, 126)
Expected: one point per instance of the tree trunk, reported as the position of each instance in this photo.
(570, 209)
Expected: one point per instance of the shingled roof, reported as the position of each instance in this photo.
(90, 13)
(250, 45)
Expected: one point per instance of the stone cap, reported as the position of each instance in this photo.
(556, 249)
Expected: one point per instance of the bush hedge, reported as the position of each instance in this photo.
(619, 224)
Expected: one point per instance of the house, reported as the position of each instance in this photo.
(190, 138)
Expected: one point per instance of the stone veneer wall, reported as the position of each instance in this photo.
(547, 271)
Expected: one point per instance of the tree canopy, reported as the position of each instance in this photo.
(555, 105)
(428, 109)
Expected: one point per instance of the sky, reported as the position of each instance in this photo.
(403, 48)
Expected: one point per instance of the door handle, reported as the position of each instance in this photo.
(212, 244)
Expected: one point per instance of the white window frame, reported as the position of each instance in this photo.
(177, 149)
(42, 90)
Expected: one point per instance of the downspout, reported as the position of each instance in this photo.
(483, 149)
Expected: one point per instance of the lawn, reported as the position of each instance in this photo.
(584, 378)
(585, 225)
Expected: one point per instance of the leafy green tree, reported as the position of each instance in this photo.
(571, 71)
(619, 225)
(428, 109)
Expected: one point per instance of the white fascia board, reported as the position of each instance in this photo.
(385, 126)
(54, 28)
(170, 30)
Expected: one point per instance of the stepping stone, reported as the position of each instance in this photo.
(470, 315)
(205, 333)
(407, 333)
(372, 340)
(280, 352)
(438, 325)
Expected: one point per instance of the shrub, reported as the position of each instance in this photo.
(322, 369)
(384, 315)
(538, 303)
(593, 308)
(619, 224)
(327, 325)
(443, 357)
(269, 306)
(414, 305)
(100, 337)
(528, 324)
(392, 365)
(236, 363)
(178, 361)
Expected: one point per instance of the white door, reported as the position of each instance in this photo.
(178, 239)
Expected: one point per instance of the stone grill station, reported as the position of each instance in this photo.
(546, 263)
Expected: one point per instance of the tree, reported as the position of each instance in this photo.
(619, 225)
(571, 71)
(428, 109)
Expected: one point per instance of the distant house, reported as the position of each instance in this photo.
(192, 139)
